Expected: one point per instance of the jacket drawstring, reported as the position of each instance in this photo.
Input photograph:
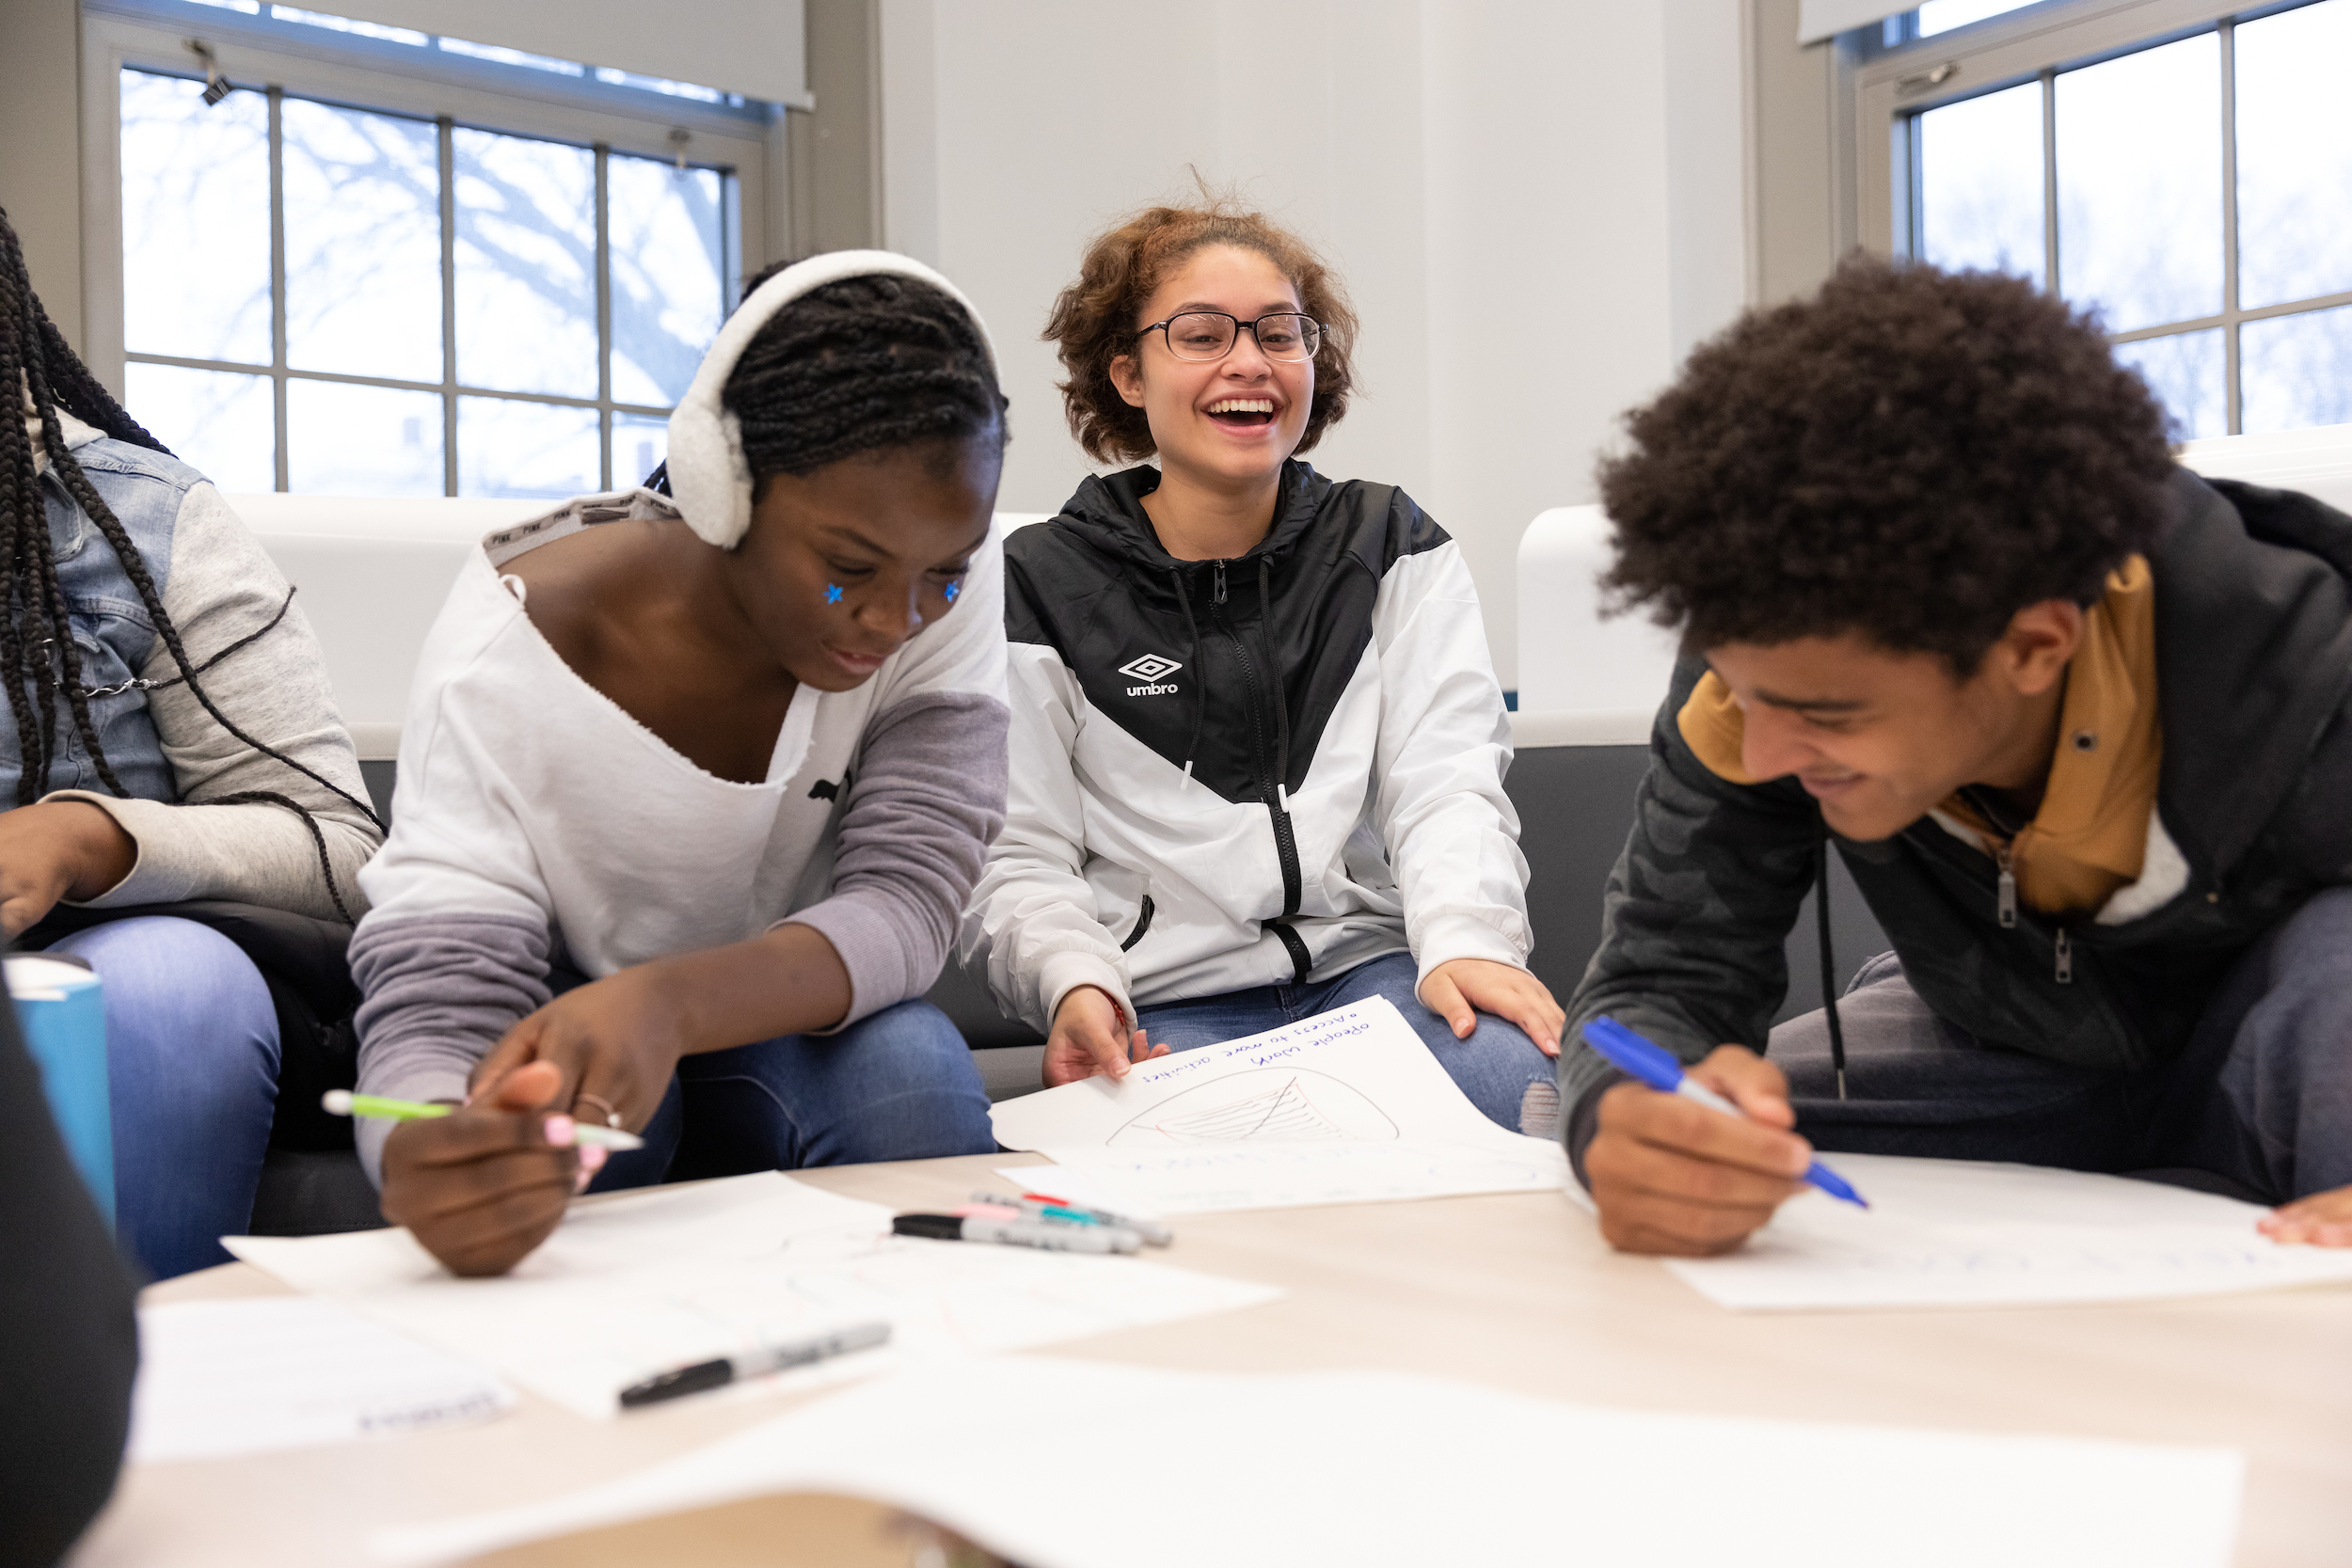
(1274, 679)
(1200, 692)
(1829, 962)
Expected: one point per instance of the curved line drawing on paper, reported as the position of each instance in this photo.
(1266, 1105)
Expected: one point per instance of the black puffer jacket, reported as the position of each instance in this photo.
(2254, 678)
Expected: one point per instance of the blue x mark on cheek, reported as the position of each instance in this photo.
(953, 589)
(833, 592)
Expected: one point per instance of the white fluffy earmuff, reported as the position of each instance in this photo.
(709, 478)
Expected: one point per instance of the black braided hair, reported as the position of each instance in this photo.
(38, 660)
(859, 365)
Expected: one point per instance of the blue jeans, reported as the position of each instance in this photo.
(897, 1084)
(1495, 1066)
(2258, 1104)
(192, 1077)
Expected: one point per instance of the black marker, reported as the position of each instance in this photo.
(1051, 1238)
(705, 1375)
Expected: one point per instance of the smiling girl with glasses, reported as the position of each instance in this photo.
(1258, 748)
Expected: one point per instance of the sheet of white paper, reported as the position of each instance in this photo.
(1344, 1107)
(625, 1290)
(251, 1376)
(1208, 1178)
(1357, 1073)
(1963, 1233)
(1373, 1469)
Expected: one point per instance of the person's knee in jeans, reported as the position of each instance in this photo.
(899, 1085)
(192, 1057)
(2285, 1074)
(1504, 1074)
(1500, 1071)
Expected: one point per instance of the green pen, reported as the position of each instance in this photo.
(343, 1102)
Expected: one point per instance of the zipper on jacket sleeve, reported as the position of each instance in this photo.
(2007, 890)
(2065, 959)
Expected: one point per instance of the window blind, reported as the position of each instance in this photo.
(755, 47)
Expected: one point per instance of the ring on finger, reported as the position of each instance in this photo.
(612, 1116)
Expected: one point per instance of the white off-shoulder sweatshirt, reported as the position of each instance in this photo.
(535, 817)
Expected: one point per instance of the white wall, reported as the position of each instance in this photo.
(1535, 205)
(40, 170)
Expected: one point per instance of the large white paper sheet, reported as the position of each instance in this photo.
(628, 1289)
(1373, 1469)
(1964, 1233)
(1344, 1107)
(254, 1375)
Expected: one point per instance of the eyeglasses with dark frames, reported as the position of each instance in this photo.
(1205, 335)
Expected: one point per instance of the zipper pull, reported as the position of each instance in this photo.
(1217, 580)
(2065, 959)
(2008, 889)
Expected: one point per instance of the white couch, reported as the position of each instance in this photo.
(370, 575)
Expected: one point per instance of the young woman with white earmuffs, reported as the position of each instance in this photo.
(694, 786)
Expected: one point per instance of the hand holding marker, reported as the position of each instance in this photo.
(1653, 1065)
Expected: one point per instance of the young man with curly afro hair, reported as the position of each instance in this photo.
(2078, 722)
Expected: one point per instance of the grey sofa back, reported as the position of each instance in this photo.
(1575, 807)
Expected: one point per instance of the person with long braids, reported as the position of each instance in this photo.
(1261, 747)
(693, 787)
(183, 807)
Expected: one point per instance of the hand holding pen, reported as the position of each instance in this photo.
(482, 1185)
(1673, 1175)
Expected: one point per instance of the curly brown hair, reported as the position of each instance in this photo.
(1909, 453)
(1094, 320)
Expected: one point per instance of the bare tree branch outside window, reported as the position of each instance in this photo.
(374, 376)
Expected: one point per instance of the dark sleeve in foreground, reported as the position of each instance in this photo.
(1694, 916)
(68, 1340)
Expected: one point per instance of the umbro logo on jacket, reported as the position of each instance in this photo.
(1151, 670)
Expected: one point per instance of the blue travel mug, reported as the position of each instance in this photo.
(61, 1007)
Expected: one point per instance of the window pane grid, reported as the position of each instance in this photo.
(2282, 363)
(363, 186)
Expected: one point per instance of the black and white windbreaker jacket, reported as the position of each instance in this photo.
(1244, 772)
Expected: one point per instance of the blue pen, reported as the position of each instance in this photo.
(1656, 1066)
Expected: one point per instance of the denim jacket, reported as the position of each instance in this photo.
(191, 761)
(111, 627)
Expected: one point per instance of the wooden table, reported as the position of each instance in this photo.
(1515, 1291)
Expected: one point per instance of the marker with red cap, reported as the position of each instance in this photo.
(1063, 1208)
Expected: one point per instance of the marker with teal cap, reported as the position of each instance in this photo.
(1658, 1066)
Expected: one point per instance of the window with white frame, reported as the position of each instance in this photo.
(325, 290)
(2191, 185)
